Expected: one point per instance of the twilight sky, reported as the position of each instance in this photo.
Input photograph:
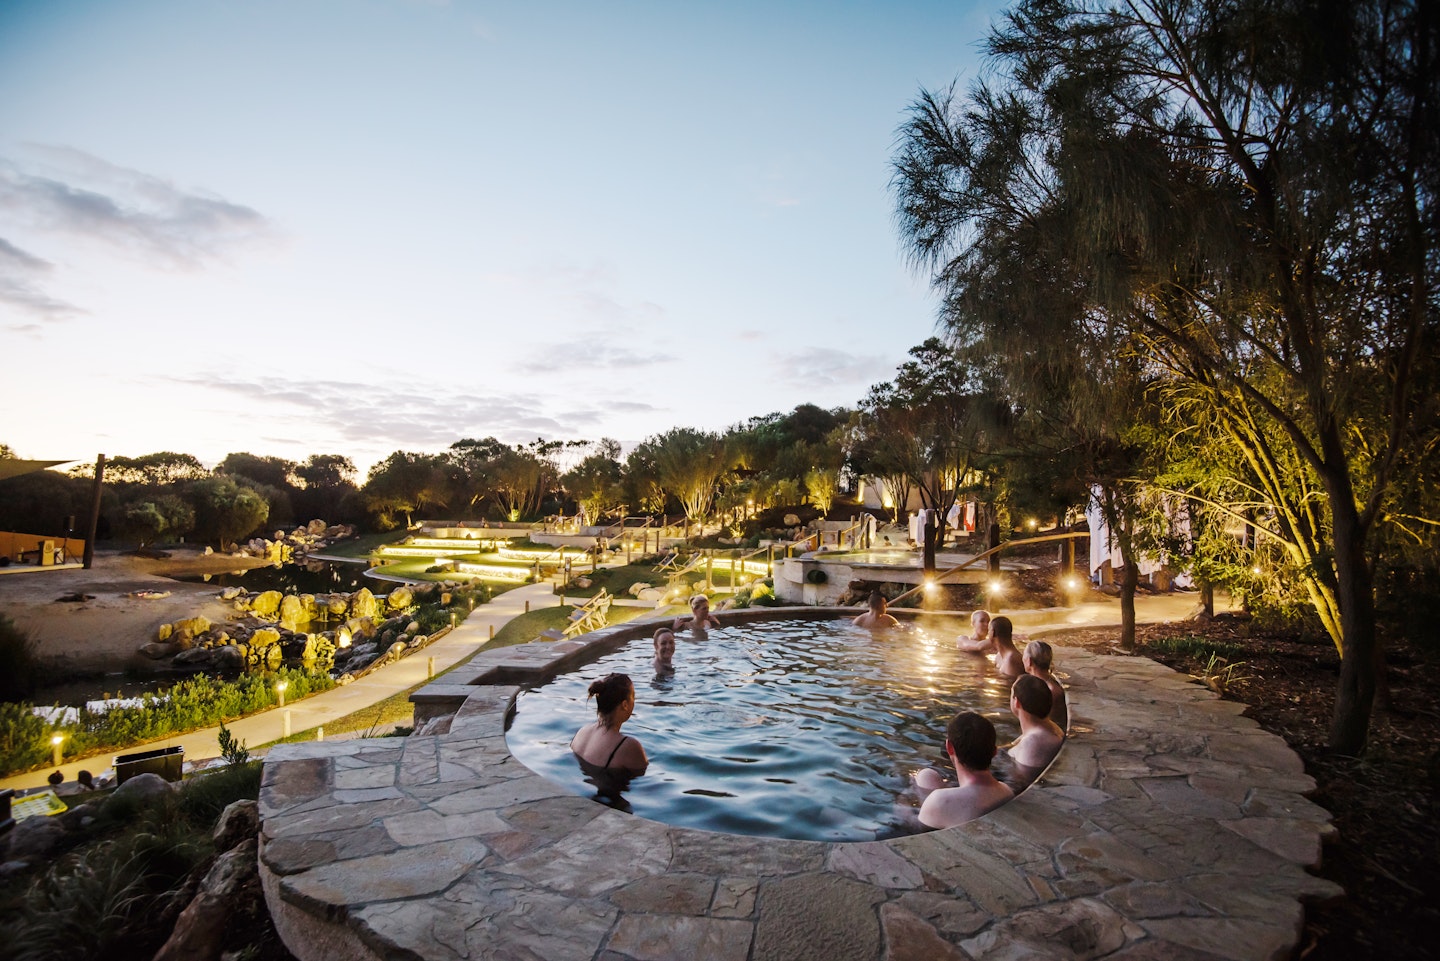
(353, 226)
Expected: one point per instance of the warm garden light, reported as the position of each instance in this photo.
(995, 587)
(1072, 583)
(55, 742)
(280, 691)
(1255, 570)
(929, 586)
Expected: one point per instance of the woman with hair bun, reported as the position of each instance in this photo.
(599, 745)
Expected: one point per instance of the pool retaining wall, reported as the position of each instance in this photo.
(1170, 826)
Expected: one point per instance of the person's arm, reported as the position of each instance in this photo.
(974, 646)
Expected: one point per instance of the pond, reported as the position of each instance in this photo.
(314, 577)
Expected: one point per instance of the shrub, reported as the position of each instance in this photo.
(115, 898)
(17, 661)
(189, 705)
(24, 738)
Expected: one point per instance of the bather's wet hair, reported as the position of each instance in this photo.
(1033, 695)
(1001, 628)
(877, 601)
(1040, 655)
(695, 601)
(972, 739)
(610, 692)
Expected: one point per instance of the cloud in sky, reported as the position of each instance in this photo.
(20, 273)
(830, 367)
(347, 414)
(75, 196)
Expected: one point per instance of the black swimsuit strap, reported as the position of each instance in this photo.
(623, 739)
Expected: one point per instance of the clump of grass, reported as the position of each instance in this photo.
(115, 897)
(1195, 646)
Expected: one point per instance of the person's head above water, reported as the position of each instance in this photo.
(971, 740)
(611, 693)
(1033, 695)
(980, 622)
(1001, 629)
(1039, 655)
(877, 602)
(699, 601)
(664, 643)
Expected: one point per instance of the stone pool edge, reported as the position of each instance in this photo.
(1179, 829)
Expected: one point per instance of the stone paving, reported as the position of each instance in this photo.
(1169, 827)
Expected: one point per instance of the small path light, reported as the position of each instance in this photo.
(55, 747)
(280, 693)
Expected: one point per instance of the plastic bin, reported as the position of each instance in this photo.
(168, 762)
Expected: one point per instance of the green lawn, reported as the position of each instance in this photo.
(363, 545)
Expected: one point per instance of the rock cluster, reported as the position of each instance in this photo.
(283, 547)
(274, 629)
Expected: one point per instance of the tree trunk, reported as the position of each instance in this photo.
(1355, 696)
(1129, 579)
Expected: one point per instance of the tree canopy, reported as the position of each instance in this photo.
(1243, 194)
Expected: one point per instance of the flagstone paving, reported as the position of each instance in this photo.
(1169, 827)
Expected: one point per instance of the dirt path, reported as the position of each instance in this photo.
(103, 633)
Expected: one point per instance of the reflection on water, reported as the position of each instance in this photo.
(797, 729)
(313, 577)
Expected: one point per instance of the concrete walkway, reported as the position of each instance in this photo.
(315, 711)
(469, 637)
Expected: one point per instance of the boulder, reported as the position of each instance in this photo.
(266, 604)
(269, 658)
(400, 598)
(164, 632)
(791, 520)
(362, 603)
(651, 594)
(157, 650)
(200, 929)
(315, 527)
(195, 625)
(264, 638)
(183, 639)
(228, 658)
(209, 550)
(240, 820)
(337, 604)
(635, 589)
(194, 657)
(141, 789)
(413, 627)
(34, 839)
(292, 612)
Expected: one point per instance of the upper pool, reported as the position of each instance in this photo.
(797, 728)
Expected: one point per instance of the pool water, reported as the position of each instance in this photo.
(789, 728)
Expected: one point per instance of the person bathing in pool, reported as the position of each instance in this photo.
(700, 619)
(978, 642)
(1040, 738)
(876, 616)
(664, 650)
(599, 745)
(970, 742)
